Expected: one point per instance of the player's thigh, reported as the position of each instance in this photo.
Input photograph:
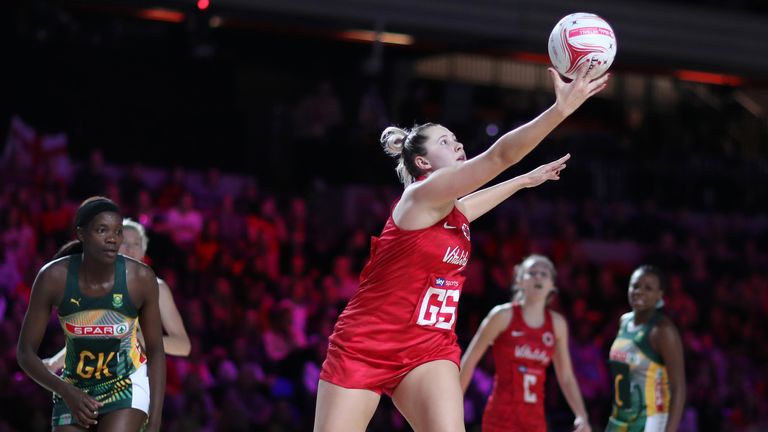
(343, 409)
(430, 398)
(123, 420)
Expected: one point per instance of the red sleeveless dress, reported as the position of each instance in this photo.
(404, 313)
(521, 355)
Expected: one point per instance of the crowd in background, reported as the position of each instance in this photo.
(260, 274)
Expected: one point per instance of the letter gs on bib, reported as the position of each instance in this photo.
(438, 308)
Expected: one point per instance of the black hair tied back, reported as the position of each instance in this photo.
(89, 210)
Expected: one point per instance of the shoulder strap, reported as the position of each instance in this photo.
(644, 343)
(121, 284)
(73, 281)
(71, 295)
(516, 311)
(652, 320)
(624, 322)
(121, 288)
(549, 320)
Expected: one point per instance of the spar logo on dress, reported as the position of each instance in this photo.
(97, 330)
(627, 357)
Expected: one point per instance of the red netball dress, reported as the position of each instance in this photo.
(521, 355)
(404, 313)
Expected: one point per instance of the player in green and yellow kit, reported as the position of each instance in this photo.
(176, 341)
(646, 361)
(108, 381)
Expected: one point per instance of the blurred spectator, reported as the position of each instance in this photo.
(19, 238)
(231, 223)
(184, 222)
(55, 218)
(131, 184)
(208, 245)
(145, 210)
(209, 191)
(344, 278)
(171, 191)
(10, 276)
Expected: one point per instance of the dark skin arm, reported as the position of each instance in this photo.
(47, 291)
(144, 290)
(665, 339)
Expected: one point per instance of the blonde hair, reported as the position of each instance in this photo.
(404, 145)
(529, 261)
(132, 224)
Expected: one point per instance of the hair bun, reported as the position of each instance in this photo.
(393, 139)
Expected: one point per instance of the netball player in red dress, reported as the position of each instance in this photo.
(526, 336)
(396, 335)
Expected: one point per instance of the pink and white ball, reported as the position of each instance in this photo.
(579, 38)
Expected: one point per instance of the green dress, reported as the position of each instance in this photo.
(640, 380)
(103, 357)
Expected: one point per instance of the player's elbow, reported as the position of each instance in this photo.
(154, 349)
(677, 390)
(182, 347)
(503, 157)
(24, 355)
(186, 349)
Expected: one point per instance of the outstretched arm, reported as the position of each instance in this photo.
(450, 183)
(176, 342)
(479, 203)
(493, 324)
(565, 376)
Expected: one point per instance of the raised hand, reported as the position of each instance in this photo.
(550, 171)
(571, 95)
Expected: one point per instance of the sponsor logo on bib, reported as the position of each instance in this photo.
(97, 330)
(457, 256)
(525, 351)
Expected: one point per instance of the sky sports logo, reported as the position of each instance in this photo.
(441, 282)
